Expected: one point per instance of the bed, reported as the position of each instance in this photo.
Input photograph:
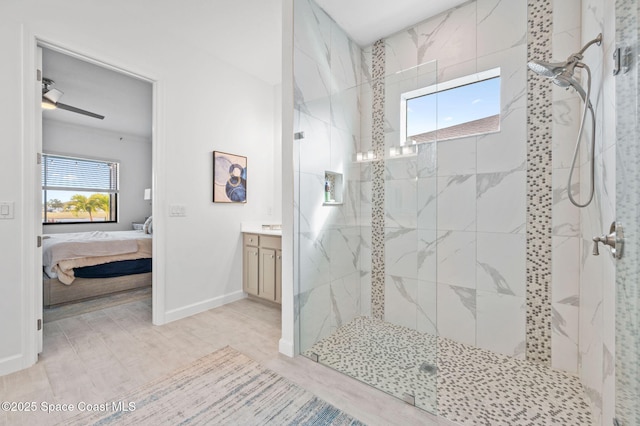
(85, 265)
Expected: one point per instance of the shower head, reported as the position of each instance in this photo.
(546, 69)
(561, 73)
(567, 81)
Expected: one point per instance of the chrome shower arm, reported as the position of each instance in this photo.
(597, 40)
(574, 59)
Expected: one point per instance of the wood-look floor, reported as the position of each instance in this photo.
(100, 356)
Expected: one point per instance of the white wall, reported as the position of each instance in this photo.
(12, 313)
(202, 104)
(277, 153)
(133, 154)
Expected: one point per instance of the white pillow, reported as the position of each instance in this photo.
(147, 228)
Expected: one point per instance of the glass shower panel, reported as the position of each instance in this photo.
(379, 330)
(312, 156)
(328, 237)
(628, 212)
(410, 235)
(333, 289)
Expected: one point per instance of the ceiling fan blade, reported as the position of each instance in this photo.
(53, 95)
(79, 111)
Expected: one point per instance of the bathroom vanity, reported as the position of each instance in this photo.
(262, 263)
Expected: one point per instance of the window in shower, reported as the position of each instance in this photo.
(457, 108)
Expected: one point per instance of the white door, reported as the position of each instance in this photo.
(38, 195)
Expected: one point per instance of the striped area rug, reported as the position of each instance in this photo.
(223, 388)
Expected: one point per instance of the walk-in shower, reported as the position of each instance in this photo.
(562, 74)
(414, 244)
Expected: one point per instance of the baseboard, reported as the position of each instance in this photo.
(11, 364)
(286, 348)
(205, 305)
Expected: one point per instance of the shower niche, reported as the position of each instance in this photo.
(333, 189)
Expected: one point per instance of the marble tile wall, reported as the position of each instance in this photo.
(482, 173)
(452, 231)
(565, 260)
(454, 254)
(327, 102)
(597, 280)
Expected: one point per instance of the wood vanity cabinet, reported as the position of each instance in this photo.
(250, 268)
(262, 266)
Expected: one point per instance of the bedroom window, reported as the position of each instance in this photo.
(452, 109)
(78, 190)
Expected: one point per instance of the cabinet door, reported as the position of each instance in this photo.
(267, 274)
(279, 276)
(250, 270)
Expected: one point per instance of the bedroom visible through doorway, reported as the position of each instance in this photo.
(96, 180)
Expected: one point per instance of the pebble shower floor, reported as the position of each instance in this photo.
(470, 386)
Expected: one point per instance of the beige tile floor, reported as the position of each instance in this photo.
(99, 356)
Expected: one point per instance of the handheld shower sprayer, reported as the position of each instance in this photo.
(561, 74)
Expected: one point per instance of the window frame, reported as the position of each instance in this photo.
(441, 87)
(114, 202)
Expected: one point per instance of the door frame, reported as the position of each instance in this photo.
(32, 221)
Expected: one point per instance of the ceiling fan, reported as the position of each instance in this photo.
(50, 98)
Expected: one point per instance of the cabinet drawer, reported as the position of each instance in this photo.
(270, 242)
(251, 240)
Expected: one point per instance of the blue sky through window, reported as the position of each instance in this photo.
(453, 106)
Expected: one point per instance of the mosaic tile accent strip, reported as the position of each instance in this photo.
(539, 189)
(470, 386)
(377, 183)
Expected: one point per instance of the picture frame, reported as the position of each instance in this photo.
(229, 178)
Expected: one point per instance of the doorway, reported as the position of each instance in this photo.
(104, 116)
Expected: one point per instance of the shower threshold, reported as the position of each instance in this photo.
(462, 383)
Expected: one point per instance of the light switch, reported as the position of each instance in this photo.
(6, 209)
(177, 210)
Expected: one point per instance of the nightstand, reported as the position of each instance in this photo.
(137, 226)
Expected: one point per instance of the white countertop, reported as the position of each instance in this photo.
(256, 228)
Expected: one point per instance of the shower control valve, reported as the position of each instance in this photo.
(613, 240)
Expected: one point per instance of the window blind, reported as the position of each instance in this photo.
(79, 174)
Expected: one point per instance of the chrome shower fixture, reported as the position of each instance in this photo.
(561, 74)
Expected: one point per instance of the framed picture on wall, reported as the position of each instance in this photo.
(229, 178)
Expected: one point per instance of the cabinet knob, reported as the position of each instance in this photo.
(255, 253)
(279, 257)
(272, 256)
